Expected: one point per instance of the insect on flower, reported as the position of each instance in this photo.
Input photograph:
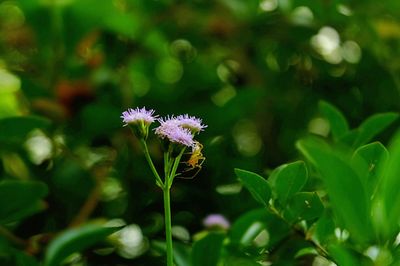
(195, 161)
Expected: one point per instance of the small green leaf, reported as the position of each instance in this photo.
(344, 184)
(75, 240)
(304, 206)
(337, 121)
(373, 125)
(288, 179)
(256, 184)
(375, 155)
(19, 199)
(207, 250)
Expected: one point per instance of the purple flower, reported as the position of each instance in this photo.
(136, 116)
(216, 220)
(171, 129)
(139, 121)
(192, 123)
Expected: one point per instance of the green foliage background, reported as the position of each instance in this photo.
(254, 71)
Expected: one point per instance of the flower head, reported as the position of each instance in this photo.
(135, 116)
(139, 120)
(170, 129)
(192, 123)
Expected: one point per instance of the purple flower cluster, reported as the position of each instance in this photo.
(176, 129)
(192, 123)
(179, 129)
(136, 116)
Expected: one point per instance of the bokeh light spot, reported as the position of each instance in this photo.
(247, 139)
(169, 70)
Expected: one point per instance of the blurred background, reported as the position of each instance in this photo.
(253, 70)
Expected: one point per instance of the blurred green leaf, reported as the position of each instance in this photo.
(375, 155)
(306, 251)
(75, 240)
(250, 224)
(304, 206)
(390, 189)
(374, 125)
(347, 257)
(28, 210)
(256, 184)
(15, 129)
(337, 121)
(22, 259)
(19, 199)
(207, 250)
(344, 185)
(288, 179)
(182, 254)
(239, 261)
(324, 229)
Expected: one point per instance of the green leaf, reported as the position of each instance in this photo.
(256, 184)
(288, 179)
(373, 125)
(337, 121)
(15, 129)
(234, 260)
(389, 193)
(304, 206)
(345, 256)
(181, 254)
(375, 155)
(75, 240)
(344, 186)
(306, 252)
(246, 228)
(19, 199)
(207, 250)
(324, 229)
(26, 211)
(349, 138)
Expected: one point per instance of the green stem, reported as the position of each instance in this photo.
(159, 181)
(169, 177)
(174, 168)
(168, 234)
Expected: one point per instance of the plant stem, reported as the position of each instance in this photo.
(319, 248)
(159, 182)
(168, 234)
(174, 168)
(169, 177)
